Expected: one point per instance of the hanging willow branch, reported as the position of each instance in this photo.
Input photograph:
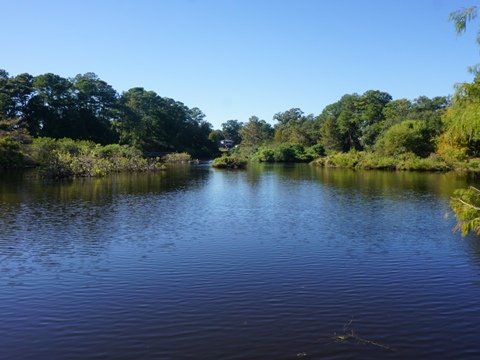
(460, 19)
(466, 206)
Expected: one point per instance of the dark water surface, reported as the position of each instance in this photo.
(275, 262)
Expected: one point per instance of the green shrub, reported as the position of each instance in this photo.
(316, 151)
(177, 158)
(369, 160)
(411, 161)
(10, 152)
(66, 158)
(230, 161)
(263, 154)
(74, 147)
(409, 136)
(116, 150)
(41, 148)
(282, 153)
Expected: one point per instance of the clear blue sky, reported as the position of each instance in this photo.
(238, 58)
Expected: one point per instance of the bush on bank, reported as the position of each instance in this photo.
(368, 160)
(177, 158)
(66, 158)
(287, 153)
(233, 161)
(11, 154)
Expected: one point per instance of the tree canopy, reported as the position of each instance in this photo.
(87, 108)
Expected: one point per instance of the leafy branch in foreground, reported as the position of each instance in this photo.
(351, 337)
(466, 206)
(460, 19)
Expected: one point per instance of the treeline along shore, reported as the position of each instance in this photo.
(48, 119)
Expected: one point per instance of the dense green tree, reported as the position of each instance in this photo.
(95, 108)
(15, 92)
(52, 107)
(330, 136)
(295, 128)
(355, 120)
(397, 109)
(424, 109)
(340, 124)
(87, 108)
(369, 113)
(216, 136)
(6, 103)
(21, 94)
(79, 108)
(153, 123)
(409, 136)
(430, 111)
(196, 134)
(231, 130)
(143, 122)
(256, 132)
(10, 152)
(288, 117)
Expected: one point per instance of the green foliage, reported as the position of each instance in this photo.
(283, 153)
(215, 136)
(87, 108)
(409, 136)
(264, 154)
(466, 206)
(153, 123)
(462, 120)
(369, 112)
(412, 162)
(256, 132)
(41, 148)
(294, 127)
(231, 130)
(344, 160)
(15, 129)
(354, 122)
(369, 160)
(173, 158)
(117, 150)
(10, 152)
(316, 151)
(460, 19)
(330, 136)
(230, 161)
(66, 158)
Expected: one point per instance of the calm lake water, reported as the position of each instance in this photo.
(274, 262)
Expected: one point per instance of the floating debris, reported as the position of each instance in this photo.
(351, 337)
